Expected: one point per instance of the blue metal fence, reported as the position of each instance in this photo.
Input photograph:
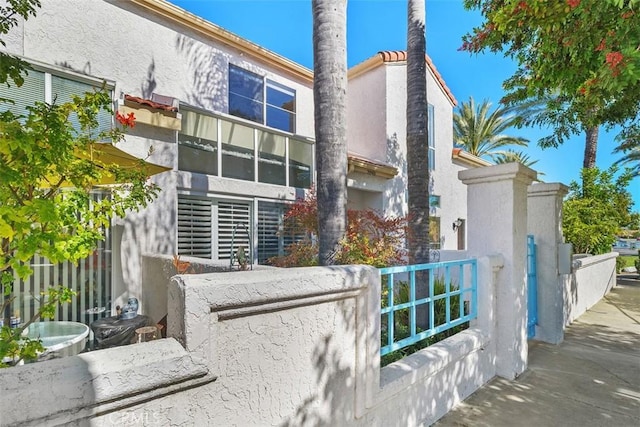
(449, 284)
(532, 288)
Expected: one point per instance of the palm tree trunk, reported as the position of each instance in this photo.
(417, 143)
(590, 147)
(418, 152)
(330, 113)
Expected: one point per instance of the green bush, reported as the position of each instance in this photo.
(401, 319)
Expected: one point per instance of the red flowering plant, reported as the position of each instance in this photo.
(370, 239)
(128, 121)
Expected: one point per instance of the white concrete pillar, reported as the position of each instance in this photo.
(545, 224)
(497, 224)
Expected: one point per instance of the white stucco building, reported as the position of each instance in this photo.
(234, 122)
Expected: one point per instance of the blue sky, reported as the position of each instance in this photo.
(285, 27)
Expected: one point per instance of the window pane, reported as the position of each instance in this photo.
(432, 137)
(283, 98)
(300, 164)
(245, 94)
(271, 164)
(32, 90)
(199, 125)
(63, 89)
(281, 107)
(273, 237)
(280, 119)
(238, 157)
(197, 155)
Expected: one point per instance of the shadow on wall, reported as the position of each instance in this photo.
(396, 194)
(208, 68)
(417, 401)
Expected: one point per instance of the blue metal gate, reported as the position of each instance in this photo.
(532, 288)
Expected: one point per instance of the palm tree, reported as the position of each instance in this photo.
(330, 114)
(417, 143)
(479, 131)
(631, 150)
(512, 156)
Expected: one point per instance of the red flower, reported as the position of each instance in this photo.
(628, 14)
(573, 3)
(602, 45)
(613, 59)
(127, 121)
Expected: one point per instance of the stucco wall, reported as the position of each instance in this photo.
(592, 279)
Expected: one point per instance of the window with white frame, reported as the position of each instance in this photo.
(261, 100)
(222, 147)
(431, 136)
(213, 228)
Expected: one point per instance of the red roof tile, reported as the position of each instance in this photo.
(149, 103)
(401, 56)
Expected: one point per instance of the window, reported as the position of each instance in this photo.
(248, 92)
(212, 228)
(273, 238)
(197, 143)
(434, 232)
(300, 164)
(220, 147)
(42, 86)
(432, 137)
(272, 162)
(238, 153)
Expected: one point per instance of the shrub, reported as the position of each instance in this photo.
(370, 238)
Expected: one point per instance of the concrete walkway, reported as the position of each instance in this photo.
(591, 379)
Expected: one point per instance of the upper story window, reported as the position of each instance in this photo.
(432, 137)
(43, 86)
(260, 100)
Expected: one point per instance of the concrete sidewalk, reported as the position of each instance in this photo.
(591, 379)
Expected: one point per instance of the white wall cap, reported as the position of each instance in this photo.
(503, 172)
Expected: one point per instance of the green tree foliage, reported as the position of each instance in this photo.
(630, 150)
(480, 131)
(596, 209)
(11, 12)
(46, 206)
(580, 57)
(47, 172)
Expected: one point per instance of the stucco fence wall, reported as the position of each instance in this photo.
(592, 279)
(295, 347)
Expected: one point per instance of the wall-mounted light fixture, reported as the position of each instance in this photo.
(457, 223)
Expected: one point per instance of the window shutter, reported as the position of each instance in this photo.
(269, 226)
(32, 90)
(232, 214)
(194, 227)
(62, 91)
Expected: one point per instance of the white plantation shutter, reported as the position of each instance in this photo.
(269, 226)
(194, 227)
(230, 215)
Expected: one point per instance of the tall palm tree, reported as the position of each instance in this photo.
(417, 142)
(479, 130)
(330, 114)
